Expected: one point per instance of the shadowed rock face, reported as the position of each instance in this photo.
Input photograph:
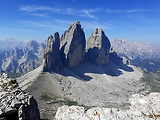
(52, 57)
(72, 45)
(69, 51)
(97, 48)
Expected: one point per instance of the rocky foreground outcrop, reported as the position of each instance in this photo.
(142, 108)
(15, 104)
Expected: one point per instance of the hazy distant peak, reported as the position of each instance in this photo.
(11, 44)
(135, 49)
(32, 43)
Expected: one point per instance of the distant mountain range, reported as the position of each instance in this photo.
(11, 43)
(144, 55)
(20, 57)
(84, 71)
(74, 70)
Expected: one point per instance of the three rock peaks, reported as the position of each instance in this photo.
(72, 48)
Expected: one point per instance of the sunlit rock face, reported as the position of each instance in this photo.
(72, 45)
(97, 48)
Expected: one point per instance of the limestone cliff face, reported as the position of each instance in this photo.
(52, 57)
(97, 48)
(72, 49)
(72, 45)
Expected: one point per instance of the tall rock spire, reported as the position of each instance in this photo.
(72, 45)
(52, 56)
(97, 48)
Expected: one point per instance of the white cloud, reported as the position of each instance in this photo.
(60, 24)
(86, 13)
(30, 8)
(39, 14)
(91, 25)
(118, 11)
(37, 11)
(89, 13)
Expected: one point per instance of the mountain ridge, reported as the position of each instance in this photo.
(144, 55)
(108, 83)
(22, 60)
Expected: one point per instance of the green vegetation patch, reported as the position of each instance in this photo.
(14, 75)
(70, 102)
(153, 80)
(4, 85)
(46, 97)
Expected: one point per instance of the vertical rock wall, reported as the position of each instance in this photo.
(97, 48)
(73, 45)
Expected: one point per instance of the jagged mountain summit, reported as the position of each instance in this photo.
(98, 47)
(22, 60)
(65, 52)
(72, 45)
(52, 57)
(72, 49)
(69, 75)
(133, 50)
(144, 55)
(10, 44)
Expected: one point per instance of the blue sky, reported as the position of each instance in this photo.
(134, 20)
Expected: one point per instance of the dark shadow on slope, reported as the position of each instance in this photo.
(114, 67)
(74, 72)
(81, 70)
(125, 67)
(113, 56)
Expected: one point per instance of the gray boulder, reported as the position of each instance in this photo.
(97, 48)
(18, 105)
(52, 56)
(72, 45)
